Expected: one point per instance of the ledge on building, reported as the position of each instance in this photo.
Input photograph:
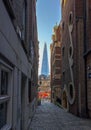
(6, 127)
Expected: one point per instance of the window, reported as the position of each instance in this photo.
(3, 114)
(3, 93)
(5, 96)
(4, 82)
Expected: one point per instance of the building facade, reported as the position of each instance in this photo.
(44, 89)
(18, 63)
(76, 59)
(55, 78)
(87, 53)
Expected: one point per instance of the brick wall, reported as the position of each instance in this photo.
(56, 64)
(74, 9)
(88, 55)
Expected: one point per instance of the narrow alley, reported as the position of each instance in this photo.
(50, 117)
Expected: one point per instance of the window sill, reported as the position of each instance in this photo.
(6, 127)
(4, 98)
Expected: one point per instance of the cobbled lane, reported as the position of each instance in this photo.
(50, 117)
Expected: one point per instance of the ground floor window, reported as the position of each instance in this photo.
(3, 114)
(4, 82)
(5, 96)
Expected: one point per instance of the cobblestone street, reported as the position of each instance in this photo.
(50, 117)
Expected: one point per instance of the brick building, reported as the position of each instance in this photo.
(76, 59)
(44, 88)
(18, 63)
(55, 73)
(87, 53)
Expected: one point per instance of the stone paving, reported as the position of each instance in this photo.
(51, 117)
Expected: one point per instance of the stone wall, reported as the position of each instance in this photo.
(18, 64)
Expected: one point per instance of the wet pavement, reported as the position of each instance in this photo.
(51, 117)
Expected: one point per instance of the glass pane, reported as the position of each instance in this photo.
(3, 114)
(4, 82)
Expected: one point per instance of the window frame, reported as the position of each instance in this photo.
(8, 97)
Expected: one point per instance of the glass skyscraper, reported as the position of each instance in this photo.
(45, 67)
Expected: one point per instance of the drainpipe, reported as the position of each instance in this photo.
(85, 48)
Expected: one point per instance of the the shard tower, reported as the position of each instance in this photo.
(45, 67)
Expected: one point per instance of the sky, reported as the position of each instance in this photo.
(48, 14)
